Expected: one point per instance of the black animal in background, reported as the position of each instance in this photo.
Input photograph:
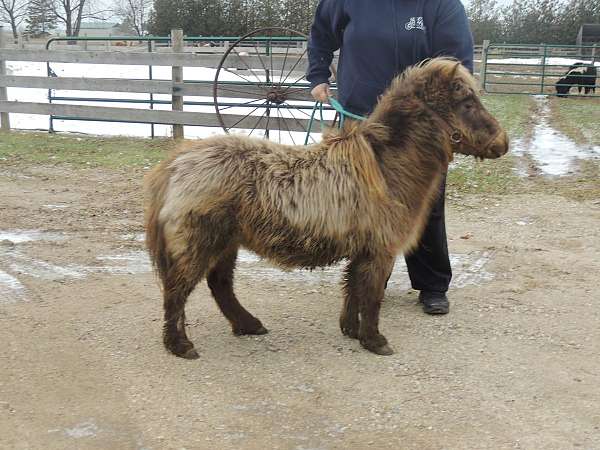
(579, 75)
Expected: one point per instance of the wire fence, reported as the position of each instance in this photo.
(561, 70)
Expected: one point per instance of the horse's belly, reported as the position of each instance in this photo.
(289, 249)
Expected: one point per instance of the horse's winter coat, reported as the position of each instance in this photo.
(363, 194)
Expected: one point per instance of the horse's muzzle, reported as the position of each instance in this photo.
(498, 147)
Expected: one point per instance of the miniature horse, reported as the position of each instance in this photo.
(362, 194)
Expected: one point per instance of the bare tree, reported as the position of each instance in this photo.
(134, 14)
(72, 12)
(13, 12)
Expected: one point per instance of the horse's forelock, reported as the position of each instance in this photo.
(431, 74)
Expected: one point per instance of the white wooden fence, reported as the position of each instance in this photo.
(177, 57)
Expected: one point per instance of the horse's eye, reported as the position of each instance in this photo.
(468, 103)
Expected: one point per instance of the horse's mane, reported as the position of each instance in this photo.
(352, 143)
(407, 92)
(438, 68)
(423, 83)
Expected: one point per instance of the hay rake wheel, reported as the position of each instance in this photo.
(260, 88)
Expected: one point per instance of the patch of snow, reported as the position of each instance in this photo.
(20, 236)
(244, 256)
(33, 121)
(552, 61)
(552, 151)
(138, 237)
(11, 289)
(129, 263)
(469, 269)
(81, 430)
(23, 264)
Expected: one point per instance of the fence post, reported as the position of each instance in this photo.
(150, 48)
(177, 77)
(544, 53)
(4, 117)
(594, 47)
(483, 67)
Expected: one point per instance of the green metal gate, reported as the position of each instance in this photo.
(535, 69)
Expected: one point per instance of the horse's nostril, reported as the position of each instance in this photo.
(506, 142)
(500, 146)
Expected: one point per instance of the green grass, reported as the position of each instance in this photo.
(496, 176)
(512, 111)
(114, 152)
(577, 118)
(88, 151)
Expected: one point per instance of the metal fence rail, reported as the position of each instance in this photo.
(526, 69)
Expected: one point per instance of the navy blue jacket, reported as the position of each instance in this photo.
(378, 39)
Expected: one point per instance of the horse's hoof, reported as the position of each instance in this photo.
(190, 354)
(243, 331)
(182, 348)
(351, 332)
(377, 345)
(261, 330)
(385, 350)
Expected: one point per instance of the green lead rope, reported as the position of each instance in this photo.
(343, 113)
(335, 105)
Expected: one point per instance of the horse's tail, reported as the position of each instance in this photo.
(155, 187)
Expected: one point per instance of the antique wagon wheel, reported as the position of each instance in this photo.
(260, 88)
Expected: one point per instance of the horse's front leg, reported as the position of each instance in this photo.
(365, 285)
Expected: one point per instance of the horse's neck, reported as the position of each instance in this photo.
(413, 163)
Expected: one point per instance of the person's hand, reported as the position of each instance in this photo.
(321, 92)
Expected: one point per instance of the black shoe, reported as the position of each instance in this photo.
(434, 302)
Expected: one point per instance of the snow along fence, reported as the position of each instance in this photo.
(527, 69)
(240, 87)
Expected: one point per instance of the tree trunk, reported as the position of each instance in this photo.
(15, 32)
(79, 17)
(69, 26)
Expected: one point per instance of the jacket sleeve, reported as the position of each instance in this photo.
(325, 38)
(451, 35)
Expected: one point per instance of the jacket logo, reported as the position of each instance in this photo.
(415, 23)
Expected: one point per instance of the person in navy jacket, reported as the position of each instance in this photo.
(377, 40)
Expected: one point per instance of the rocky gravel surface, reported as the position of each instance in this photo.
(514, 365)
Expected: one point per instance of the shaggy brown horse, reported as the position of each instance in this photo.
(363, 194)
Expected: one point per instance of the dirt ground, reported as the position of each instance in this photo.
(514, 365)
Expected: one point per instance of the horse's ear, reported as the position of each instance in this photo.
(453, 71)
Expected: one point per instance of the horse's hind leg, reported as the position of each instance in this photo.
(365, 286)
(178, 284)
(220, 282)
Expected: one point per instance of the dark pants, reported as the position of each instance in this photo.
(429, 265)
